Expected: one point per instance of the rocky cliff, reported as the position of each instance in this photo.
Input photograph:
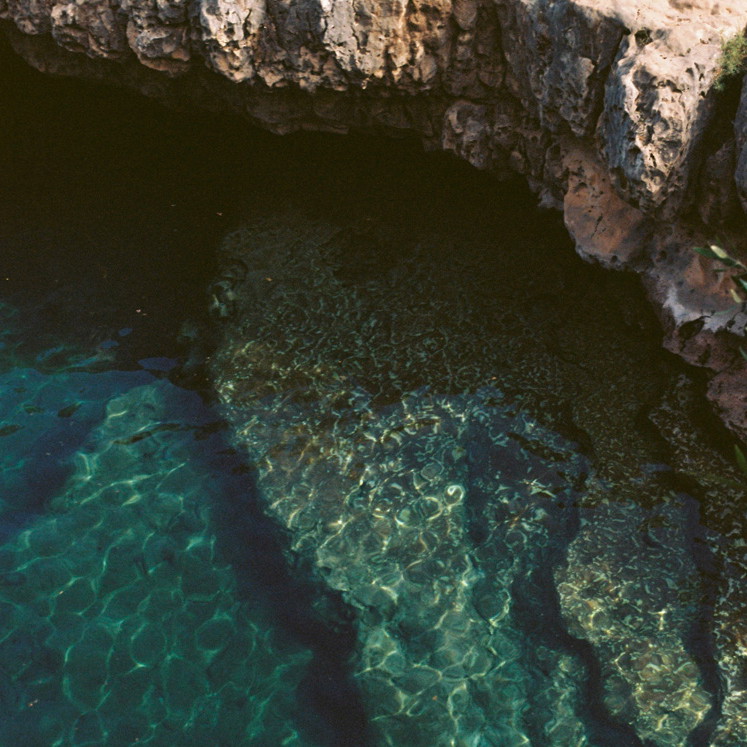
(607, 108)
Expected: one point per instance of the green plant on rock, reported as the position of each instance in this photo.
(741, 459)
(733, 61)
(728, 262)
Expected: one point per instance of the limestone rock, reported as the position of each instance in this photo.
(559, 68)
(604, 226)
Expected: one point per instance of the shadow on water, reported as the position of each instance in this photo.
(298, 607)
(700, 641)
(538, 615)
(535, 604)
(46, 419)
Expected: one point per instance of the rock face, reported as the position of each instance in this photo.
(607, 108)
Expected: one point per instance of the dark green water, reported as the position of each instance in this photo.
(324, 442)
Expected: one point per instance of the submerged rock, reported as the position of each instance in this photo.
(722, 512)
(388, 500)
(369, 398)
(630, 587)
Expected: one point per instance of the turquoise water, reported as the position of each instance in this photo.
(122, 621)
(143, 597)
(316, 442)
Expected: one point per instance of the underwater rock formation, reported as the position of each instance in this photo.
(607, 108)
(489, 564)
(722, 511)
(639, 618)
(423, 512)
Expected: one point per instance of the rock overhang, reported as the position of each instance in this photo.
(607, 109)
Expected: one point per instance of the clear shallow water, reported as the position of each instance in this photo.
(142, 597)
(429, 505)
(479, 546)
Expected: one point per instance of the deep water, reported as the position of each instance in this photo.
(316, 441)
